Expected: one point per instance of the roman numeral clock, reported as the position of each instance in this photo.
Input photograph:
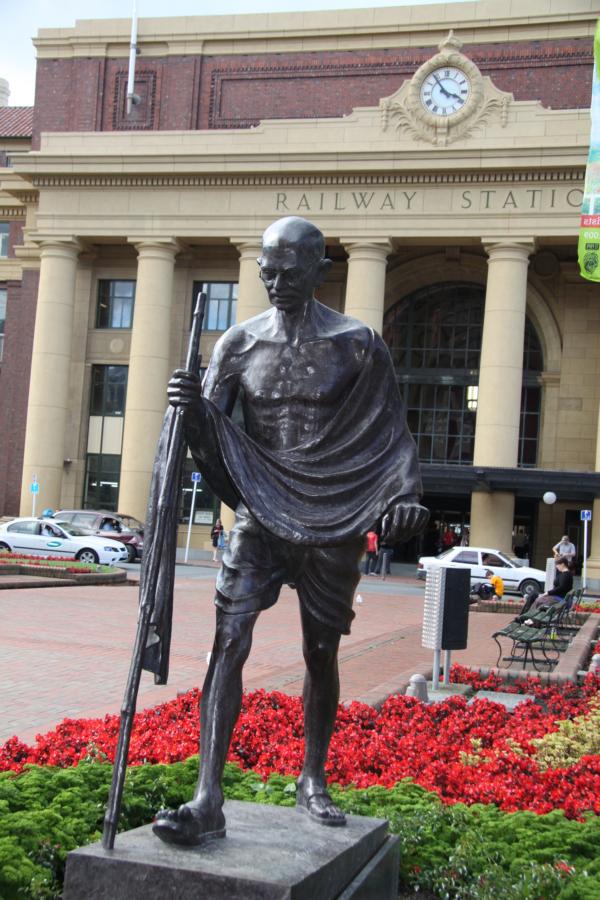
(446, 99)
(445, 90)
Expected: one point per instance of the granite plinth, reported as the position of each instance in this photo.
(270, 853)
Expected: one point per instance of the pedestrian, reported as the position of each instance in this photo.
(386, 551)
(372, 547)
(214, 537)
(565, 548)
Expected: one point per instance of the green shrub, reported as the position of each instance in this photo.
(574, 738)
(452, 851)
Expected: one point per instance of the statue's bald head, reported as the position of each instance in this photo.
(292, 263)
(296, 234)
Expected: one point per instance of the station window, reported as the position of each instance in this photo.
(434, 337)
(115, 303)
(109, 389)
(105, 437)
(4, 230)
(221, 303)
(3, 294)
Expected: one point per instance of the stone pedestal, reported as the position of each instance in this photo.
(270, 853)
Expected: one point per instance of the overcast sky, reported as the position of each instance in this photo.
(22, 18)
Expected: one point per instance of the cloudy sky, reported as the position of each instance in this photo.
(21, 20)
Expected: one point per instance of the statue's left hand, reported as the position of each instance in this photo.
(405, 520)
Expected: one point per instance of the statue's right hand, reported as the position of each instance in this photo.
(185, 390)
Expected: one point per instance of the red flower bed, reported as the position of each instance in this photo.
(404, 739)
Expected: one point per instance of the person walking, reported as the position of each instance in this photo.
(386, 551)
(215, 533)
(372, 549)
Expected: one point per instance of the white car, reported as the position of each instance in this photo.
(514, 574)
(48, 537)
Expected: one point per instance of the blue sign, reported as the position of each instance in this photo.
(585, 515)
(196, 476)
(35, 488)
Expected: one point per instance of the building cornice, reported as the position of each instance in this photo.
(492, 21)
(558, 176)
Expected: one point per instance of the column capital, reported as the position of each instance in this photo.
(247, 246)
(367, 248)
(508, 248)
(69, 247)
(167, 247)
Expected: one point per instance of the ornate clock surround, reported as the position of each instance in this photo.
(404, 110)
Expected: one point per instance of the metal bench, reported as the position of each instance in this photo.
(541, 634)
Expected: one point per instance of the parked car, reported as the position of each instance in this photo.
(514, 574)
(54, 537)
(131, 522)
(105, 523)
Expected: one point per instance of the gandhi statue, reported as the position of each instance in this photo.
(323, 454)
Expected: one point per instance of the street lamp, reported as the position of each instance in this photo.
(549, 498)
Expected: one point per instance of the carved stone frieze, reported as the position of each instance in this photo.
(406, 112)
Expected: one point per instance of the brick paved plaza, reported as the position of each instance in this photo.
(65, 651)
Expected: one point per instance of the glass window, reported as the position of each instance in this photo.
(3, 294)
(107, 401)
(467, 556)
(434, 337)
(31, 527)
(4, 229)
(221, 303)
(101, 488)
(115, 304)
(490, 559)
(109, 389)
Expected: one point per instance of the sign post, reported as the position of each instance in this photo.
(35, 489)
(585, 516)
(196, 479)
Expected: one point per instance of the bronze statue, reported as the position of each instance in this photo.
(323, 454)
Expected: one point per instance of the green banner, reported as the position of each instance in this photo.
(589, 230)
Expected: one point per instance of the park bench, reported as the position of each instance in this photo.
(541, 635)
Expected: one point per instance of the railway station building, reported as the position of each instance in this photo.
(441, 149)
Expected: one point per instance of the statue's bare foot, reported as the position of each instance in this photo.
(315, 801)
(189, 825)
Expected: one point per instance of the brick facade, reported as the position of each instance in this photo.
(14, 378)
(191, 92)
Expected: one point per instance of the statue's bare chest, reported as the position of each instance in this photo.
(314, 372)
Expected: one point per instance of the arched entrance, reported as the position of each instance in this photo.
(434, 337)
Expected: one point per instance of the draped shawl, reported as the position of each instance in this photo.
(324, 492)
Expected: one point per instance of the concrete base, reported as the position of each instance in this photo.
(447, 690)
(270, 853)
(508, 701)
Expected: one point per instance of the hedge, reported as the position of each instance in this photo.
(452, 851)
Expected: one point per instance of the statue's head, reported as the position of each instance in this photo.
(292, 262)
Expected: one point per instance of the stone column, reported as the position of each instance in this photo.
(252, 295)
(149, 371)
(500, 384)
(365, 287)
(252, 300)
(48, 403)
(593, 564)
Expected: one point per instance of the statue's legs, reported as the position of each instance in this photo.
(320, 697)
(202, 818)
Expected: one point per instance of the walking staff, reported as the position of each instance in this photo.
(156, 581)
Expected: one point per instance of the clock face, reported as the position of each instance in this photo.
(445, 91)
